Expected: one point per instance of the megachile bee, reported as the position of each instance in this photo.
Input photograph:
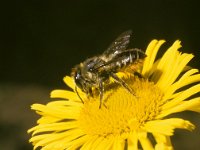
(94, 71)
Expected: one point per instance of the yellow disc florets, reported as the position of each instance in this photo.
(122, 112)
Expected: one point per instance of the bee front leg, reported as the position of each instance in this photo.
(121, 82)
(78, 94)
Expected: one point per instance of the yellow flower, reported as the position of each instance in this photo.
(125, 121)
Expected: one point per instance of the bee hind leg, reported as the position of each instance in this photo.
(101, 90)
(122, 83)
(138, 75)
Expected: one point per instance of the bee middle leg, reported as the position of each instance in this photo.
(122, 83)
(90, 92)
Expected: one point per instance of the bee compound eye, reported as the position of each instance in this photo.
(78, 80)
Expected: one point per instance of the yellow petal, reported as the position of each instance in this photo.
(181, 97)
(64, 103)
(53, 138)
(173, 72)
(97, 142)
(61, 112)
(133, 142)
(162, 139)
(48, 119)
(69, 95)
(72, 145)
(193, 105)
(171, 68)
(167, 126)
(188, 74)
(105, 144)
(151, 53)
(162, 146)
(165, 63)
(145, 142)
(69, 81)
(186, 79)
(88, 144)
(60, 126)
(118, 143)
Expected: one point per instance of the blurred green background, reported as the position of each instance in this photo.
(42, 41)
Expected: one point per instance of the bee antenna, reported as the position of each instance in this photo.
(78, 94)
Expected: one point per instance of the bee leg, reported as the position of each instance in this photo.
(90, 92)
(78, 94)
(101, 89)
(120, 81)
(138, 75)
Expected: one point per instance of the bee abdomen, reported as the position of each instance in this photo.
(125, 59)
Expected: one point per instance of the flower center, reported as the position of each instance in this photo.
(121, 112)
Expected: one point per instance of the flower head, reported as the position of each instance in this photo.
(125, 120)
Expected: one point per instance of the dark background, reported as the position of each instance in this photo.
(42, 41)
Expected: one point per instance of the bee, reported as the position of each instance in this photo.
(95, 71)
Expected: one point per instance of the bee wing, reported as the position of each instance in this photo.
(118, 45)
